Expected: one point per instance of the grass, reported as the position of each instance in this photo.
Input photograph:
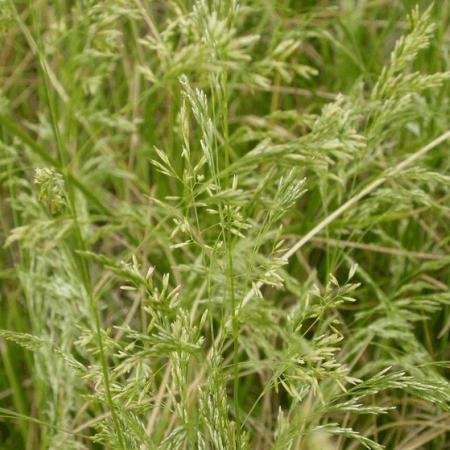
(224, 225)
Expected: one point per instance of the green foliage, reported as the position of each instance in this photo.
(224, 225)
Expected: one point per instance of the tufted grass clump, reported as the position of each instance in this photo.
(224, 225)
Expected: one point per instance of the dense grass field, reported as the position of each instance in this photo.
(224, 225)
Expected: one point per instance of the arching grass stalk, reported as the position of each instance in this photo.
(79, 241)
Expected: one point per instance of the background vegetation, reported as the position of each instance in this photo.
(225, 225)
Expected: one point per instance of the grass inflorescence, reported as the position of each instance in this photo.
(225, 225)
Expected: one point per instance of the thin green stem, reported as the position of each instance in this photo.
(81, 262)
